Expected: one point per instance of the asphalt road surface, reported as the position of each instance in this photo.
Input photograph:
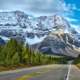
(55, 74)
(74, 73)
(49, 72)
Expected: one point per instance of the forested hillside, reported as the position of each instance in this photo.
(15, 54)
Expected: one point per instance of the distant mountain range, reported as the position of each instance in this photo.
(46, 33)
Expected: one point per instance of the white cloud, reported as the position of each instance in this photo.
(70, 19)
(38, 6)
(73, 7)
(77, 27)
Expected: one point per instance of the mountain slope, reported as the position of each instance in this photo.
(59, 44)
(18, 24)
(47, 33)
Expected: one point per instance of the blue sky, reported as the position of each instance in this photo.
(75, 5)
(70, 9)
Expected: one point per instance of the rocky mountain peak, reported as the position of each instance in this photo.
(52, 33)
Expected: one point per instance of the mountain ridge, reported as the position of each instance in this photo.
(53, 31)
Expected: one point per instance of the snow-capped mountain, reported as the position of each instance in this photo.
(18, 24)
(49, 33)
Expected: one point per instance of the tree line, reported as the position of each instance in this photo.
(77, 61)
(15, 53)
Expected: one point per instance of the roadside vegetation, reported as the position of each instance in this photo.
(77, 61)
(15, 55)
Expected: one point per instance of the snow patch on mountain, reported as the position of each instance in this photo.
(18, 24)
(34, 40)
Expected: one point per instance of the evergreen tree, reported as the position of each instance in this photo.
(14, 53)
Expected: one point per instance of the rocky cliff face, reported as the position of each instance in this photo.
(60, 44)
(17, 24)
(50, 33)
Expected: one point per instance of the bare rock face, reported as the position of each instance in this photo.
(49, 34)
(62, 40)
(60, 44)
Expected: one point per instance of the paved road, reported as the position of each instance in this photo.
(74, 73)
(58, 73)
(50, 72)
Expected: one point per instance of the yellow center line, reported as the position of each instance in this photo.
(34, 74)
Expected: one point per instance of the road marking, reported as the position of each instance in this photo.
(25, 69)
(34, 74)
(69, 69)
